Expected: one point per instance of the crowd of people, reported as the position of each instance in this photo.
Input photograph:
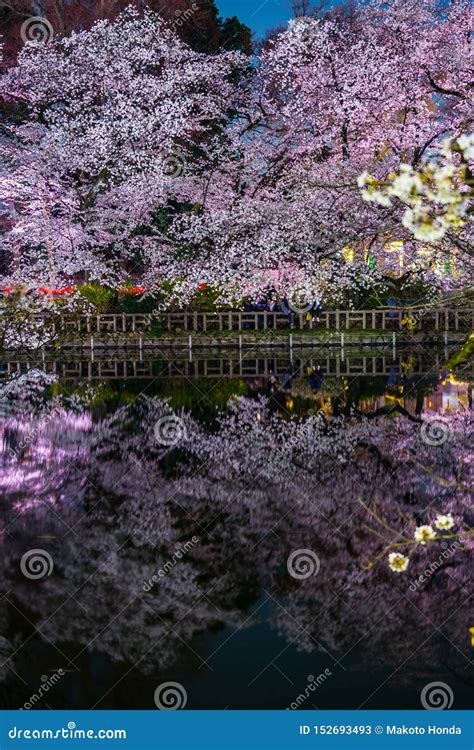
(271, 303)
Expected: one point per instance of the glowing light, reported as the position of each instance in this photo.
(348, 254)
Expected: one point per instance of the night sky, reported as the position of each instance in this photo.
(259, 15)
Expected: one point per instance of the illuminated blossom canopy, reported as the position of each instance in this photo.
(137, 156)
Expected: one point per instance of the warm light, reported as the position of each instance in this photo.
(452, 379)
(348, 254)
(326, 405)
(396, 246)
(395, 399)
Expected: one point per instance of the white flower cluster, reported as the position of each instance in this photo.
(425, 533)
(436, 197)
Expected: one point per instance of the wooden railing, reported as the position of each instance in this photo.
(211, 322)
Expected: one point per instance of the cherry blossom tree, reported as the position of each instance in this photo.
(120, 117)
(197, 23)
(332, 97)
(141, 156)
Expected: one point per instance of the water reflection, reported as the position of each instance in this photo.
(170, 536)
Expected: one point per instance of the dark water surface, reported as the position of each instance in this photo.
(95, 475)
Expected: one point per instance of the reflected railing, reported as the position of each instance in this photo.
(125, 366)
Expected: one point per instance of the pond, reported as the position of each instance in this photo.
(224, 523)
